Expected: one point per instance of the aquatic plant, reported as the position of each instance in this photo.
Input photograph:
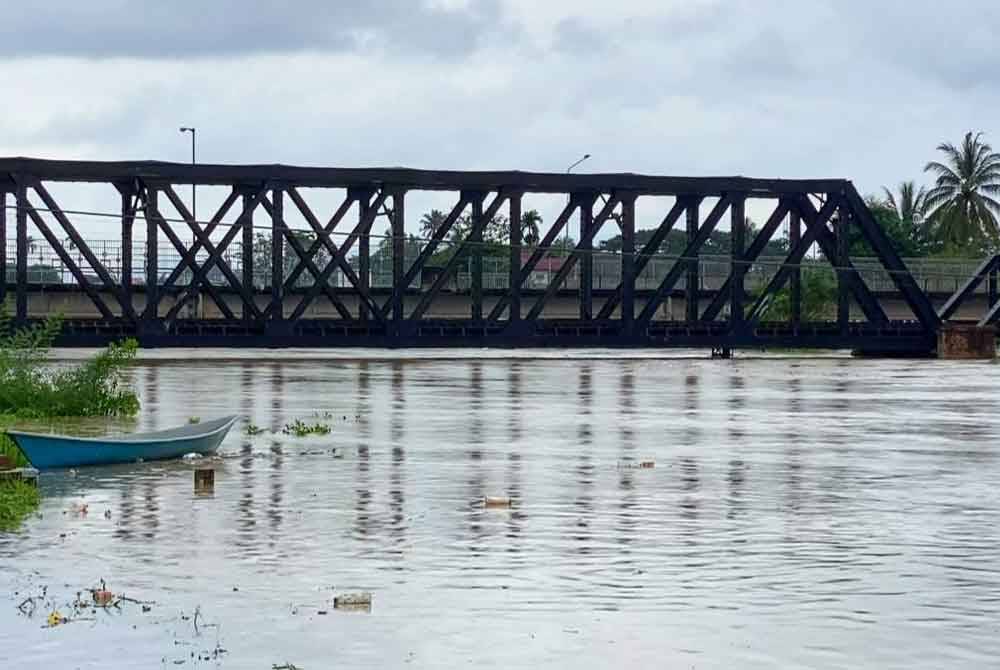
(253, 429)
(300, 428)
(17, 500)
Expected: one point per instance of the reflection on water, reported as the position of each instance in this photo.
(819, 513)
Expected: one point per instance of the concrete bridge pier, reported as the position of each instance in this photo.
(966, 341)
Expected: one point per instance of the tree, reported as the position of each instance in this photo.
(907, 235)
(531, 227)
(431, 221)
(963, 202)
(911, 205)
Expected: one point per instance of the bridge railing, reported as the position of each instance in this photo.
(45, 267)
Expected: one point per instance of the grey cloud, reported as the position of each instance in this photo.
(184, 29)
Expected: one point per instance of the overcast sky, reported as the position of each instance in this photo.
(770, 88)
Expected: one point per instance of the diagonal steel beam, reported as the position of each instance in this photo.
(955, 301)
(917, 300)
(463, 201)
(210, 227)
(544, 247)
(756, 249)
(649, 250)
(68, 261)
(815, 225)
(84, 249)
(306, 260)
(449, 269)
(322, 232)
(215, 253)
(187, 257)
(581, 247)
(827, 242)
(681, 264)
(340, 257)
(323, 238)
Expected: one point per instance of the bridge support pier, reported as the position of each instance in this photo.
(957, 341)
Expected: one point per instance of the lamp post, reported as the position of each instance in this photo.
(568, 170)
(194, 202)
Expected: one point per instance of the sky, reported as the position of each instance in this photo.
(762, 88)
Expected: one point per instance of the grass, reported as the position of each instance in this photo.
(17, 500)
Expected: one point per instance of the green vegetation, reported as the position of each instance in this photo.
(963, 206)
(30, 388)
(300, 428)
(17, 500)
(253, 429)
(819, 298)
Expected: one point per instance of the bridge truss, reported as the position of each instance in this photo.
(334, 259)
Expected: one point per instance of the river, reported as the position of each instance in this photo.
(818, 512)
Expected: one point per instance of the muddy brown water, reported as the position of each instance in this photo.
(799, 512)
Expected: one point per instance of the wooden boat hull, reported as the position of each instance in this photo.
(51, 452)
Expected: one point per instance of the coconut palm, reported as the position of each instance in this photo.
(963, 206)
(910, 205)
(531, 224)
(431, 221)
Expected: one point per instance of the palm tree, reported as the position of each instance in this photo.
(963, 203)
(911, 205)
(431, 221)
(531, 223)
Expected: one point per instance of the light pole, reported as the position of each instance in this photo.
(570, 199)
(194, 202)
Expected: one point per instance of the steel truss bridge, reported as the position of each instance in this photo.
(152, 305)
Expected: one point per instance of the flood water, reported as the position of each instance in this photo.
(800, 512)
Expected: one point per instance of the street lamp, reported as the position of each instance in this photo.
(194, 202)
(570, 198)
(570, 168)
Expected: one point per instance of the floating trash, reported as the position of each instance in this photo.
(55, 618)
(496, 502)
(353, 601)
(192, 456)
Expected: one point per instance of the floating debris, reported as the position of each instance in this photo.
(191, 456)
(496, 502)
(353, 601)
(194, 419)
(631, 465)
(55, 618)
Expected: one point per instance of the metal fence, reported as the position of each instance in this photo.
(45, 267)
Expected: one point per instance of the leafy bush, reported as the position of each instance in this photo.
(31, 388)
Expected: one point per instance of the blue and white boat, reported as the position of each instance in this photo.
(50, 452)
